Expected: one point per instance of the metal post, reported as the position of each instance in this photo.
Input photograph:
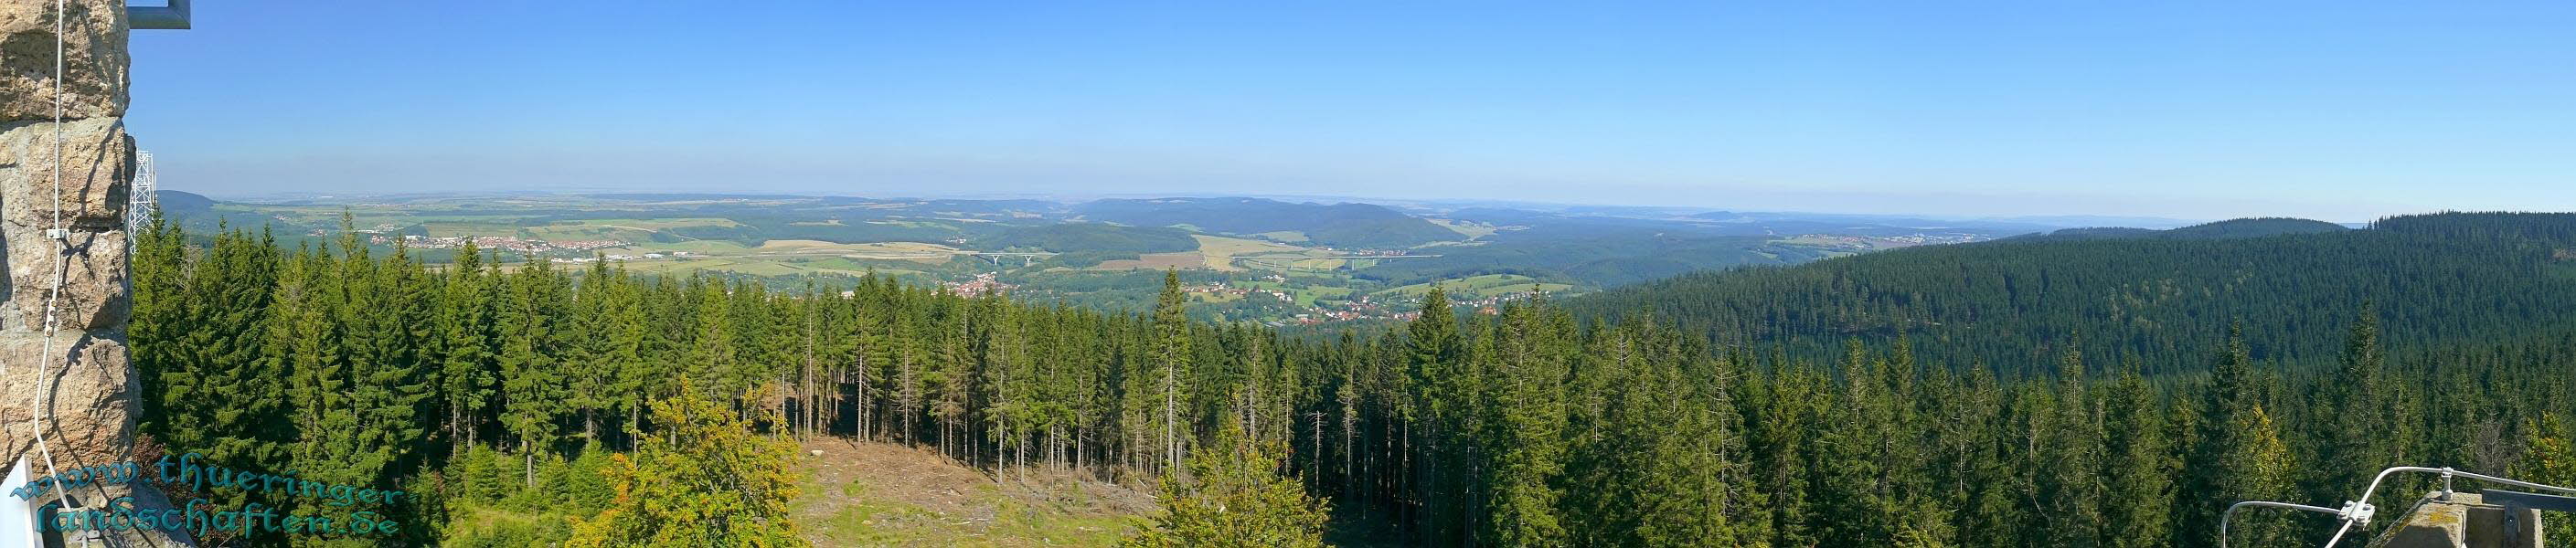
(2446, 484)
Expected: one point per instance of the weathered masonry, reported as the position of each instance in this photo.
(65, 162)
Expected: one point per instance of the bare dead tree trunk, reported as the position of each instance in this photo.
(1315, 457)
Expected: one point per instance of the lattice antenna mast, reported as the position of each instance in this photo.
(140, 199)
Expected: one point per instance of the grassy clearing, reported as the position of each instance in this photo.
(872, 494)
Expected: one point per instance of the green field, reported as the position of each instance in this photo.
(658, 224)
(452, 229)
(1472, 286)
(912, 224)
(710, 247)
(782, 248)
(1220, 251)
(1289, 236)
(574, 231)
(1468, 229)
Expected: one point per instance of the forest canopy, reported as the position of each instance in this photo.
(1853, 408)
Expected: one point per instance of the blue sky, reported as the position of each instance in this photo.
(2335, 110)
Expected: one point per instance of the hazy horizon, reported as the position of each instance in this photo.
(2329, 111)
(2059, 219)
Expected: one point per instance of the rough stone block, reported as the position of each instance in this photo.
(97, 161)
(92, 396)
(94, 292)
(94, 58)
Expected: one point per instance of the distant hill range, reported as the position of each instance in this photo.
(2163, 297)
(1587, 247)
(2237, 228)
(197, 212)
(1343, 225)
(1829, 223)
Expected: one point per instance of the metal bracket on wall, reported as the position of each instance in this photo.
(170, 17)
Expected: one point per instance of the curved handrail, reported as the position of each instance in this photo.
(2358, 511)
(2231, 512)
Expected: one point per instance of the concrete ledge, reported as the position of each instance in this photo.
(2463, 521)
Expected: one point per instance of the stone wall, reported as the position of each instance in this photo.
(84, 386)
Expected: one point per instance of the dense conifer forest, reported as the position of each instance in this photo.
(2165, 297)
(2115, 392)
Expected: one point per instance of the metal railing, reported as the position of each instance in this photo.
(2359, 511)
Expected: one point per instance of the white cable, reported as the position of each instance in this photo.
(62, 12)
(62, 246)
(35, 418)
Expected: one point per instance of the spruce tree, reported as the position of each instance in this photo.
(2259, 466)
(2353, 436)
(159, 266)
(701, 478)
(1231, 495)
(2070, 461)
(468, 375)
(2549, 457)
(1436, 362)
(532, 384)
(1527, 442)
(212, 350)
(2140, 474)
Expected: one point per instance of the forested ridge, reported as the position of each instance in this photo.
(2234, 228)
(532, 387)
(2012, 305)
